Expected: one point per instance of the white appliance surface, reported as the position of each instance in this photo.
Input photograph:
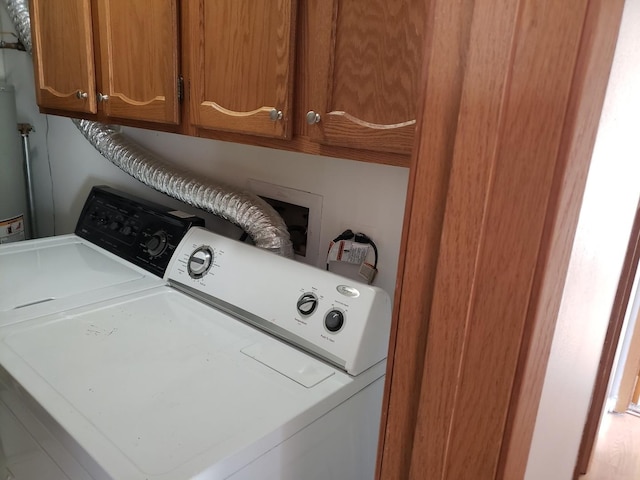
(169, 388)
(52, 274)
(238, 362)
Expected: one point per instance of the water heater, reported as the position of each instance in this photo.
(13, 195)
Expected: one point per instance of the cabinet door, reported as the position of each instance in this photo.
(63, 54)
(240, 56)
(139, 59)
(365, 60)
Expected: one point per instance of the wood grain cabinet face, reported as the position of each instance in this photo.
(240, 57)
(131, 74)
(63, 55)
(139, 64)
(364, 60)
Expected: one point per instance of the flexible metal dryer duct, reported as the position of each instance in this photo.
(246, 210)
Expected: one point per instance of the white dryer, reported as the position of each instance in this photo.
(121, 244)
(245, 365)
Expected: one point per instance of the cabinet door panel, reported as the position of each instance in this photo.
(241, 65)
(374, 59)
(139, 63)
(63, 54)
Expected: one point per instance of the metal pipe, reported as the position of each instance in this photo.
(17, 45)
(24, 129)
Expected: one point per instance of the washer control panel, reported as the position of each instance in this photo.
(137, 230)
(340, 320)
(200, 262)
(307, 304)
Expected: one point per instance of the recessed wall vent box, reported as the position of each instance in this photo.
(301, 211)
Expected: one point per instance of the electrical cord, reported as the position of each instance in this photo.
(362, 238)
(357, 238)
(346, 235)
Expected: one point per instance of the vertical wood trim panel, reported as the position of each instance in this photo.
(186, 68)
(476, 300)
(480, 121)
(446, 45)
(579, 132)
(473, 347)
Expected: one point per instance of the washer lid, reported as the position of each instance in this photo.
(156, 385)
(52, 269)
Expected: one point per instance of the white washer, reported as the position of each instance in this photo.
(245, 365)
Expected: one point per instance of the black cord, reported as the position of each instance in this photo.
(346, 235)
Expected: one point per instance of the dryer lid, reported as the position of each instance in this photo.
(48, 271)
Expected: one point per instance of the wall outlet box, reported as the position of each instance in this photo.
(301, 211)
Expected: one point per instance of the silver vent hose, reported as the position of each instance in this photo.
(246, 210)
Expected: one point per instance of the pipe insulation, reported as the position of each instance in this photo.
(262, 223)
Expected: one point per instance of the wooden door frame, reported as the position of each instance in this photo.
(513, 91)
(614, 330)
(629, 373)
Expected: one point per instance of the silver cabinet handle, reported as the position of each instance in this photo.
(80, 95)
(313, 117)
(275, 115)
(102, 97)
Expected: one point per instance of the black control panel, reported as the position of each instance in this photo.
(137, 230)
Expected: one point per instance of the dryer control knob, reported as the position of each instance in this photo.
(334, 320)
(156, 244)
(200, 262)
(307, 303)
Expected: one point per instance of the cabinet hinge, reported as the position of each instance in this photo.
(180, 88)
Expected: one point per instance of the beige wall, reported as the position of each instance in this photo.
(611, 196)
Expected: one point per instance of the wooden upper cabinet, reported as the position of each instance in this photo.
(138, 46)
(63, 55)
(132, 73)
(364, 59)
(240, 58)
(354, 66)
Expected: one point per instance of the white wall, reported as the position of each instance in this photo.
(611, 196)
(356, 195)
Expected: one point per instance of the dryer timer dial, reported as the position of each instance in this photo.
(200, 262)
(156, 244)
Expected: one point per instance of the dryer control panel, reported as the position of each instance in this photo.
(137, 230)
(338, 319)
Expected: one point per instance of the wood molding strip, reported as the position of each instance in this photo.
(471, 190)
(579, 132)
(446, 44)
(614, 330)
(520, 63)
